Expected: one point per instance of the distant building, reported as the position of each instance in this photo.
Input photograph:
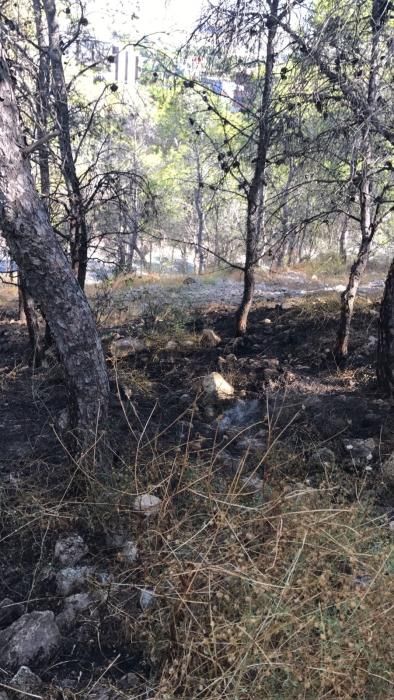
(120, 65)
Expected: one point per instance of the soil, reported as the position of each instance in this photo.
(287, 385)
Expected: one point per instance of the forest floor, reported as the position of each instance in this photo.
(265, 570)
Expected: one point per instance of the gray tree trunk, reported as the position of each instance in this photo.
(78, 227)
(49, 278)
(256, 194)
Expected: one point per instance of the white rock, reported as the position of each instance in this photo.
(147, 504)
(147, 598)
(129, 552)
(172, 345)
(127, 346)
(215, 386)
(72, 579)
(70, 550)
(267, 321)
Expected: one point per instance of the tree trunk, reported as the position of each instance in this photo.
(385, 359)
(348, 298)
(78, 227)
(49, 279)
(32, 322)
(256, 194)
(200, 215)
(368, 213)
(343, 242)
(42, 105)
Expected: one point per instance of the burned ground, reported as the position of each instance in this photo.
(291, 402)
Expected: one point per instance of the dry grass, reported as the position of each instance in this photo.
(285, 599)
(8, 294)
(279, 592)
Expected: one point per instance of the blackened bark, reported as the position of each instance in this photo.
(256, 194)
(78, 227)
(32, 322)
(38, 254)
(42, 105)
(385, 359)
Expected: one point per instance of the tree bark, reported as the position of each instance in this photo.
(385, 358)
(343, 242)
(200, 214)
(368, 213)
(78, 227)
(42, 105)
(348, 298)
(49, 279)
(257, 189)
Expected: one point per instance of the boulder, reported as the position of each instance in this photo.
(189, 280)
(171, 346)
(127, 346)
(209, 339)
(147, 504)
(216, 387)
(70, 550)
(30, 640)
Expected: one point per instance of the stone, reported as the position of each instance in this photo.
(32, 639)
(216, 387)
(9, 611)
(189, 280)
(171, 346)
(267, 321)
(70, 550)
(147, 504)
(73, 606)
(72, 580)
(127, 346)
(128, 553)
(388, 471)
(361, 451)
(147, 598)
(25, 679)
(209, 339)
